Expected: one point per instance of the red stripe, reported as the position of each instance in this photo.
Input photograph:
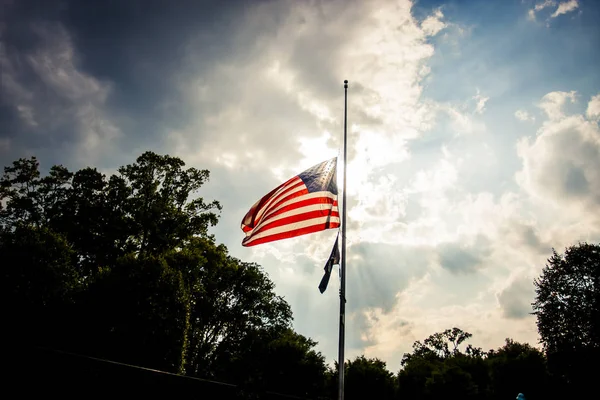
(249, 219)
(291, 234)
(301, 203)
(297, 218)
(272, 208)
(270, 203)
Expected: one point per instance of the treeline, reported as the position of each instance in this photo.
(123, 268)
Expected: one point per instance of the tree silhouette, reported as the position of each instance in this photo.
(124, 268)
(567, 306)
(433, 371)
(368, 378)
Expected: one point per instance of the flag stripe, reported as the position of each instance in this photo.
(288, 199)
(293, 186)
(300, 228)
(297, 218)
(252, 215)
(325, 204)
(297, 211)
(323, 212)
(299, 201)
(325, 200)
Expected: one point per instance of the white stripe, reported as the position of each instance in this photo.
(303, 197)
(277, 195)
(294, 226)
(295, 211)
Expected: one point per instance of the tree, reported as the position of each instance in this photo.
(147, 208)
(137, 312)
(124, 268)
(518, 367)
(38, 279)
(437, 345)
(278, 361)
(28, 198)
(567, 306)
(438, 368)
(229, 300)
(368, 378)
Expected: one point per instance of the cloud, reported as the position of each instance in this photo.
(273, 106)
(53, 97)
(379, 271)
(297, 70)
(561, 166)
(481, 100)
(553, 103)
(565, 7)
(433, 24)
(463, 258)
(515, 300)
(523, 115)
(463, 122)
(546, 3)
(593, 109)
(538, 7)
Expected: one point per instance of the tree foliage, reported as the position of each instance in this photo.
(567, 306)
(368, 378)
(518, 367)
(124, 268)
(38, 278)
(438, 368)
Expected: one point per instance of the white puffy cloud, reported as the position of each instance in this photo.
(593, 109)
(298, 122)
(561, 165)
(553, 103)
(565, 7)
(523, 115)
(562, 8)
(433, 24)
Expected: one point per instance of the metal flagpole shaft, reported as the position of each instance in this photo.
(343, 263)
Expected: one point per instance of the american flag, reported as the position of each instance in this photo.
(304, 204)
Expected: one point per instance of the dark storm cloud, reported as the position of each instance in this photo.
(47, 103)
(117, 57)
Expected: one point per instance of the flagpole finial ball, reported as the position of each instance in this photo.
(346, 81)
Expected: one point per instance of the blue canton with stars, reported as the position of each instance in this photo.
(322, 177)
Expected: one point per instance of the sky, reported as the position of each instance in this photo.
(473, 138)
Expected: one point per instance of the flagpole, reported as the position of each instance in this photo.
(343, 263)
